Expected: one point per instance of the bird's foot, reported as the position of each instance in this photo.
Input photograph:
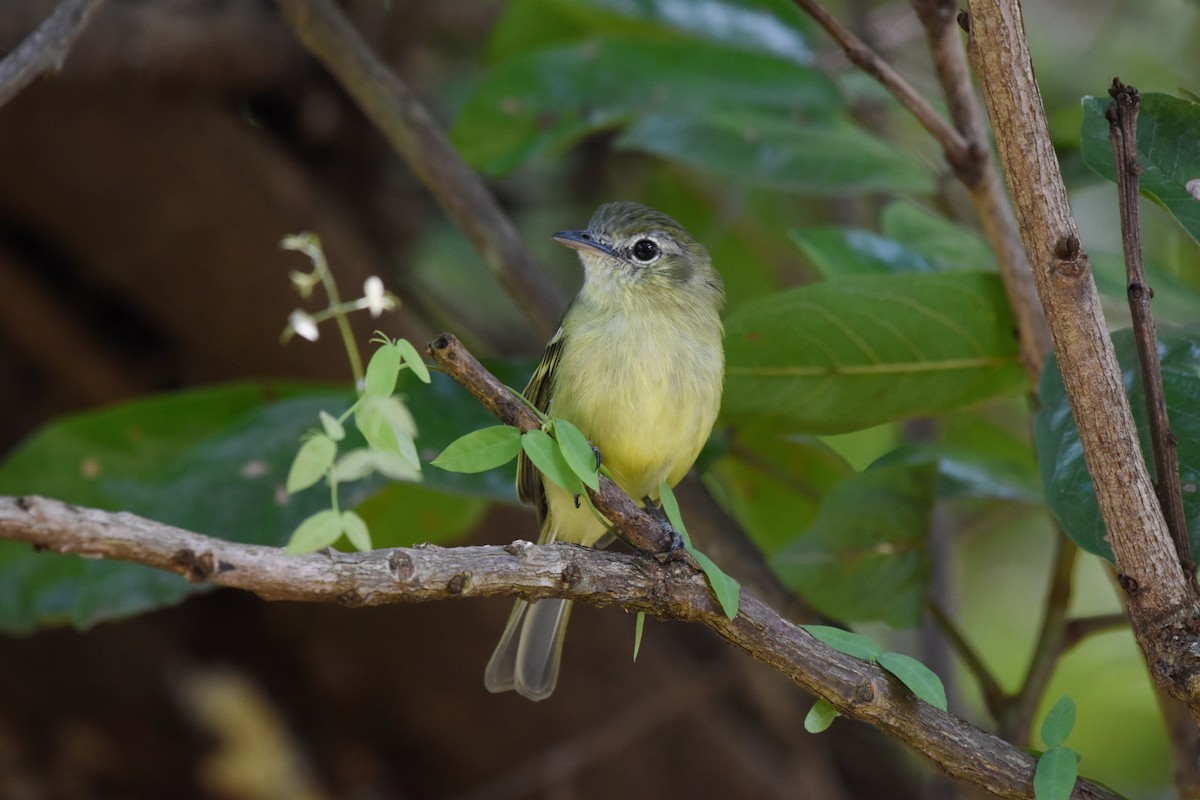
(676, 547)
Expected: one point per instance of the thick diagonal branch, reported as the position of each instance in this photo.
(421, 574)
(417, 137)
(45, 50)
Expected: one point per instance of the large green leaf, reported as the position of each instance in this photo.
(212, 460)
(835, 357)
(548, 99)
(864, 557)
(773, 485)
(1168, 134)
(1065, 477)
(946, 242)
(778, 151)
(845, 252)
(765, 26)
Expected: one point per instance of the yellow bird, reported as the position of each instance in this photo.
(638, 366)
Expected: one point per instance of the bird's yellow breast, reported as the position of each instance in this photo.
(645, 390)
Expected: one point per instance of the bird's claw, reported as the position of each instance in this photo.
(676, 546)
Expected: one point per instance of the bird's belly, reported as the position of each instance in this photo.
(646, 400)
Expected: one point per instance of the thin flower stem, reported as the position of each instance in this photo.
(340, 318)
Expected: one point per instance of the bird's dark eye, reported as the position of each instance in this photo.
(645, 250)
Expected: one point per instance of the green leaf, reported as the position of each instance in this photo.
(333, 428)
(446, 410)
(773, 485)
(1059, 722)
(837, 357)
(670, 507)
(481, 450)
(1065, 477)
(852, 644)
(546, 100)
(639, 627)
(356, 531)
(361, 462)
(388, 426)
(773, 26)
(725, 589)
(1168, 143)
(920, 679)
(865, 558)
(820, 717)
(413, 359)
(164, 458)
(313, 459)
(578, 452)
(831, 157)
(546, 455)
(1056, 772)
(966, 471)
(846, 252)
(383, 370)
(396, 467)
(407, 514)
(949, 244)
(322, 529)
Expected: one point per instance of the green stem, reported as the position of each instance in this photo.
(339, 316)
(333, 496)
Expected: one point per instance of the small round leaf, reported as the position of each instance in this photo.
(312, 461)
(320, 530)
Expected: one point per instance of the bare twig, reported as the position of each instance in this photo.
(417, 137)
(45, 50)
(1122, 126)
(994, 696)
(1162, 607)
(420, 574)
(979, 175)
(955, 146)
(1052, 642)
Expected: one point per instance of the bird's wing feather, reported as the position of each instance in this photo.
(529, 480)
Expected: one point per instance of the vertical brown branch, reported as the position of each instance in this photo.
(977, 172)
(1122, 118)
(1162, 607)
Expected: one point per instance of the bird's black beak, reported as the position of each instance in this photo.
(582, 240)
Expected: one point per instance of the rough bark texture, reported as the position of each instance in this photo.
(670, 591)
(1162, 607)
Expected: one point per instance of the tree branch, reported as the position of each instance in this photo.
(1162, 607)
(420, 574)
(977, 172)
(1122, 123)
(417, 137)
(45, 50)
(860, 54)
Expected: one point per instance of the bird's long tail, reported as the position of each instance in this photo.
(529, 652)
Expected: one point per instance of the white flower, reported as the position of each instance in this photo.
(377, 300)
(304, 325)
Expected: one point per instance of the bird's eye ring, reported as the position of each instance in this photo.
(645, 250)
